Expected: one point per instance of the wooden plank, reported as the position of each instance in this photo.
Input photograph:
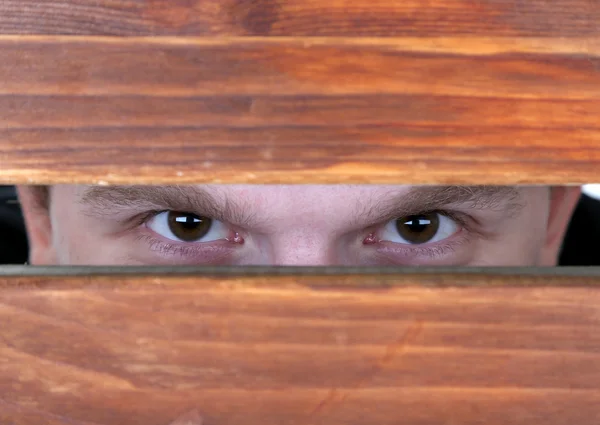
(280, 110)
(289, 155)
(440, 18)
(179, 66)
(266, 348)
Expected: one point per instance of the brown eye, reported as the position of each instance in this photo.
(188, 227)
(418, 229)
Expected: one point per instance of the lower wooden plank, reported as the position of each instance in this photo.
(338, 349)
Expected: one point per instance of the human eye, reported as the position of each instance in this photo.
(185, 227)
(437, 237)
(179, 237)
(420, 229)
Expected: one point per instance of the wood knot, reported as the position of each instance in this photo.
(256, 17)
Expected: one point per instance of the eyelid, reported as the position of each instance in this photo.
(407, 254)
(468, 222)
(464, 220)
(140, 218)
(217, 252)
(459, 218)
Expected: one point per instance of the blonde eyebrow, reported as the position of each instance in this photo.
(108, 200)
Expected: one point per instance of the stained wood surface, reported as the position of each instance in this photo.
(453, 91)
(387, 349)
(299, 110)
(564, 18)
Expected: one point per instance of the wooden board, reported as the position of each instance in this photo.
(459, 91)
(455, 348)
(299, 110)
(439, 18)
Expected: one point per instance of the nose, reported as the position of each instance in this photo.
(305, 249)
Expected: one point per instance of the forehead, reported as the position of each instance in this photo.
(316, 195)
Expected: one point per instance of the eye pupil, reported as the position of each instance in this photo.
(188, 227)
(418, 229)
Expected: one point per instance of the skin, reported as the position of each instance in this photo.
(297, 225)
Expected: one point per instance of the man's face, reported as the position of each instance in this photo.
(356, 225)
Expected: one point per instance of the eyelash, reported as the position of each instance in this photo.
(215, 250)
(425, 251)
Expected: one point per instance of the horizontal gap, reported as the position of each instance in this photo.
(260, 271)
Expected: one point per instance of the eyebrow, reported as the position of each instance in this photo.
(508, 200)
(109, 200)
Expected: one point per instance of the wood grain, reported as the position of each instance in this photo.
(336, 349)
(299, 110)
(493, 91)
(439, 18)
(177, 66)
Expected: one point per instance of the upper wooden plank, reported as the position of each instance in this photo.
(438, 18)
(318, 349)
(299, 110)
